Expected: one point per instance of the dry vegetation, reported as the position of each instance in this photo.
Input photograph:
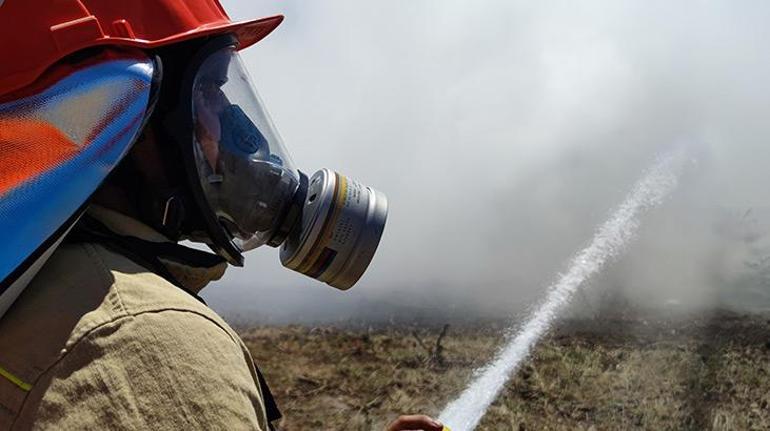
(709, 372)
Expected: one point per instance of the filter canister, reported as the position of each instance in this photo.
(339, 231)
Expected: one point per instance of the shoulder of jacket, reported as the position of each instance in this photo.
(81, 288)
(136, 290)
(87, 300)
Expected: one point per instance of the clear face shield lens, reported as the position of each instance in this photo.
(329, 226)
(246, 174)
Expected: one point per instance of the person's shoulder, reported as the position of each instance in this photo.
(85, 288)
(109, 286)
(175, 367)
(191, 369)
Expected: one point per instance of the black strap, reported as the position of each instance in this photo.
(146, 254)
(271, 408)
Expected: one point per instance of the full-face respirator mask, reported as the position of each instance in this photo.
(327, 226)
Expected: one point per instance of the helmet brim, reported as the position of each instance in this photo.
(247, 32)
(251, 32)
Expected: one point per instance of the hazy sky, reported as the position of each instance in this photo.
(503, 132)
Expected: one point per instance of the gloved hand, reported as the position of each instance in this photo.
(415, 423)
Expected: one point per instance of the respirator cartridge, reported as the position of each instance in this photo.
(338, 231)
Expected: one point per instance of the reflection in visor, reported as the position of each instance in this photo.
(244, 171)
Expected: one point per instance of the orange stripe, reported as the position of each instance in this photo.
(28, 148)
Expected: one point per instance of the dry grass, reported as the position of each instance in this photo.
(707, 373)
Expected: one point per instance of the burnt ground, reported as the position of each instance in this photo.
(706, 371)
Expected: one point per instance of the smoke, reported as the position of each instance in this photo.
(503, 132)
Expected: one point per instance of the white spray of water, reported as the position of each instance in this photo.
(465, 412)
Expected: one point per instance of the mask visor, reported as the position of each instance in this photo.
(245, 173)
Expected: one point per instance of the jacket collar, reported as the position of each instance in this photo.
(193, 274)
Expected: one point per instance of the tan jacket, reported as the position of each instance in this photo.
(98, 342)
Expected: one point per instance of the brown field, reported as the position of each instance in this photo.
(706, 372)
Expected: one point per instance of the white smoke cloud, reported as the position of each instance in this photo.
(502, 133)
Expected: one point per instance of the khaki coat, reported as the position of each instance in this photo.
(99, 342)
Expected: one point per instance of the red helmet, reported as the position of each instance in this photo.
(35, 34)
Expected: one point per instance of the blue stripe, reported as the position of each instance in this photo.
(33, 211)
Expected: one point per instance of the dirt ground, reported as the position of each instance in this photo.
(706, 372)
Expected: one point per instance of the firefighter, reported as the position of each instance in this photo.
(126, 127)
